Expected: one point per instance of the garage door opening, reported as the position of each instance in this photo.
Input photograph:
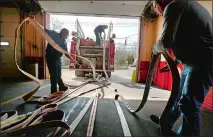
(126, 41)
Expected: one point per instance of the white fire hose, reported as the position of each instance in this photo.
(40, 29)
(104, 57)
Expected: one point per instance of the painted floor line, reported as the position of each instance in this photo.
(124, 124)
(18, 97)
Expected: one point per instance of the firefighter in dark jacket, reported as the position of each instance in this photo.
(98, 33)
(53, 59)
(187, 30)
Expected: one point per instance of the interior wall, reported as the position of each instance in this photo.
(10, 19)
(32, 37)
(46, 19)
(150, 34)
(148, 39)
(34, 47)
(207, 5)
(152, 31)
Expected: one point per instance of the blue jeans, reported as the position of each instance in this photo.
(194, 85)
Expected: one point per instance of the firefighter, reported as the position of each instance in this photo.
(98, 33)
(53, 59)
(187, 30)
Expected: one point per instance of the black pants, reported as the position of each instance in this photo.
(98, 39)
(54, 66)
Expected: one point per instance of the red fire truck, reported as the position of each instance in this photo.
(86, 48)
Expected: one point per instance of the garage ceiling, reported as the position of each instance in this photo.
(107, 8)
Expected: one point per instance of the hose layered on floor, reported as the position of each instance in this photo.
(147, 87)
(38, 27)
(25, 123)
(21, 123)
(175, 85)
(47, 115)
(57, 97)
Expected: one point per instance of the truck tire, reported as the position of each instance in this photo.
(108, 73)
(79, 73)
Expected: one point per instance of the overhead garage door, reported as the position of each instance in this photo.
(10, 19)
(98, 8)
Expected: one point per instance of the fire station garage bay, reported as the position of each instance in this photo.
(82, 68)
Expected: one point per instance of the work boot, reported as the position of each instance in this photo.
(170, 133)
(63, 88)
(155, 119)
(53, 91)
(166, 132)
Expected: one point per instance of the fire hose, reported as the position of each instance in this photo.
(12, 126)
(46, 116)
(52, 43)
(175, 85)
(170, 102)
(30, 94)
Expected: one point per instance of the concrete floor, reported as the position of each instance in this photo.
(107, 122)
(121, 80)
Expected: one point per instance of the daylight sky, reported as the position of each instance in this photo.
(122, 27)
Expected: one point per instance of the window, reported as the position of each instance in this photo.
(4, 43)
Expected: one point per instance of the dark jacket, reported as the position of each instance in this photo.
(50, 51)
(99, 29)
(187, 30)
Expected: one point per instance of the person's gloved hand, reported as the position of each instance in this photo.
(158, 49)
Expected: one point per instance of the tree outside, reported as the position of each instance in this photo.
(130, 59)
(125, 55)
(56, 24)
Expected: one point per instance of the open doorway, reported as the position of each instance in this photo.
(126, 41)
